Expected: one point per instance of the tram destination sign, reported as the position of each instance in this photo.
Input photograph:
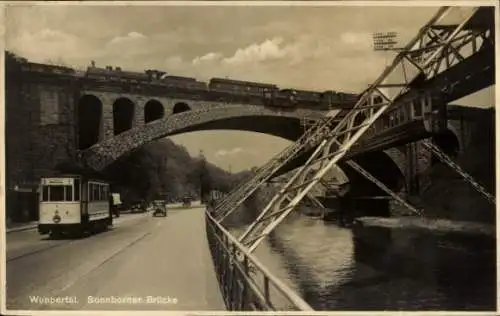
(57, 181)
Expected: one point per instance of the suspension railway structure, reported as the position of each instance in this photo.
(448, 40)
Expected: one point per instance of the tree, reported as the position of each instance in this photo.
(205, 177)
(164, 168)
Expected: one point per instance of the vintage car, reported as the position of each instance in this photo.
(159, 208)
(138, 207)
(186, 201)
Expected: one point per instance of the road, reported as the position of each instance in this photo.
(142, 263)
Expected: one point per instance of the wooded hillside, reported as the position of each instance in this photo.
(162, 167)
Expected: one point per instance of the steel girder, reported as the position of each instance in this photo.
(424, 55)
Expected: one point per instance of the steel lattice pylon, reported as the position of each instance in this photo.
(434, 44)
(425, 53)
(236, 197)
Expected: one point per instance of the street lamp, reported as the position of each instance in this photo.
(385, 41)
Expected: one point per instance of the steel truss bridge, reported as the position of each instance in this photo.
(450, 40)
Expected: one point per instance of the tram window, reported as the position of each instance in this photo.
(105, 192)
(95, 191)
(56, 193)
(77, 189)
(68, 193)
(91, 192)
(417, 108)
(45, 193)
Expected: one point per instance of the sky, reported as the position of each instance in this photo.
(316, 48)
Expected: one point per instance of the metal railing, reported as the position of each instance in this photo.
(245, 284)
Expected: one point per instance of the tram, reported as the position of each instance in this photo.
(73, 204)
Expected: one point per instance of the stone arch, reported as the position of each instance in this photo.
(89, 120)
(448, 142)
(456, 132)
(237, 118)
(398, 157)
(180, 107)
(153, 110)
(123, 115)
(382, 166)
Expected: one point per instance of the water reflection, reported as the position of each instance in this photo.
(317, 260)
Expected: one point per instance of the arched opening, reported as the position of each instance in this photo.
(181, 107)
(382, 167)
(153, 111)
(123, 115)
(89, 121)
(367, 198)
(448, 142)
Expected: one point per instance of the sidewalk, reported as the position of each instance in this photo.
(16, 227)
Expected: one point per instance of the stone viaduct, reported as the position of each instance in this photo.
(51, 115)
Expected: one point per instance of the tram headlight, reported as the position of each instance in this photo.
(56, 219)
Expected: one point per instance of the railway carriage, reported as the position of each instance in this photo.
(185, 84)
(285, 99)
(241, 91)
(73, 204)
(308, 97)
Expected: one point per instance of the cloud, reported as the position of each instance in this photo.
(46, 44)
(267, 50)
(357, 40)
(210, 57)
(174, 62)
(311, 55)
(230, 152)
(128, 39)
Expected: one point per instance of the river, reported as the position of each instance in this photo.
(316, 259)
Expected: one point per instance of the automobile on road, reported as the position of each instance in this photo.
(160, 208)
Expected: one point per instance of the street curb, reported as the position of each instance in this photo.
(19, 229)
(35, 226)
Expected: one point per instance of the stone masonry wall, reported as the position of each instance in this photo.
(16, 136)
(40, 130)
(108, 98)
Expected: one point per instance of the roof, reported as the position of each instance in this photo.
(179, 78)
(97, 70)
(241, 82)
